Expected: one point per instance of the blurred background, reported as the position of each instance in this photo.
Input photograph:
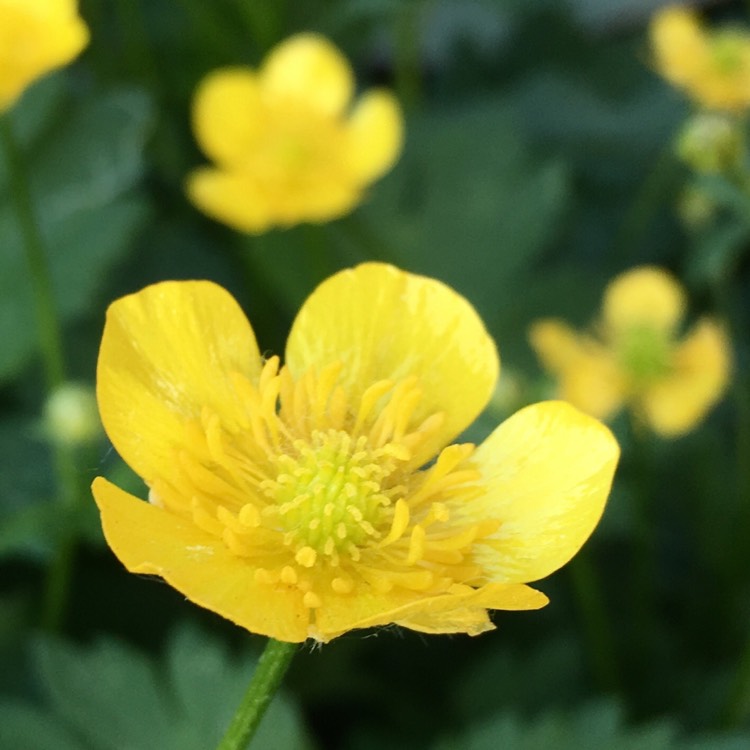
(539, 163)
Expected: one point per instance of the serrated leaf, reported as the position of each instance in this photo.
(117, 698)
(23, 727)
(81, 175)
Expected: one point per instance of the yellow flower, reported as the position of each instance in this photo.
(286, 147)
(637, 358)
(712, 67)
(36, 36)
(318, 497)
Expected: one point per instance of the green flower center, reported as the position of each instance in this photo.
(645, 353)
(728, 51)
(329, 496)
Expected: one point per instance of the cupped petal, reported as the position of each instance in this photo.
(309, 70)
(383, 323)
(228, 115)
(231, 198)
(547, 471)
(166, 355)
(375, 135)
(701, 371)
(152, 541)
(643, 297)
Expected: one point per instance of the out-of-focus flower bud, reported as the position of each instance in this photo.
(711, 143)
(71, 416)
(696, 207)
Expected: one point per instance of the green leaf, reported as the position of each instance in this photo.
(468, 203)
(116, 698)
(82, 175)
(24, 727)
(598, 725)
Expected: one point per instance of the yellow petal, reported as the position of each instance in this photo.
(308, 69)
(594, 384)
(679, 44)
(228, 115)
(36, 38)
(166, 353)
(375, 135)
(548, 470)
(702, 365)
(644, 296)
(588, 376)
(232, 198)
(152, 541)
(384, 323)
(555, 343)
(460, 612)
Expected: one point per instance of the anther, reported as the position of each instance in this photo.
(306, 557)
(311, 600)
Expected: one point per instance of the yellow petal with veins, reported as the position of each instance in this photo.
(383, 323)
(166, 354)
(152, 541)
(547, 471)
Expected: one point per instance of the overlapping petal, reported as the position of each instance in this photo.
(383, 323)
(149, 540)
(228, 114)
(548, 470)
(375, 135)
(166, 354)
(308, 68)
(702, 366)
(679, 44)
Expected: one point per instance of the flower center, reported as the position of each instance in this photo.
(645, 353)
(728, 51)
(329, 495)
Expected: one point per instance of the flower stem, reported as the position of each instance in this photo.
(272, 667)
(50, 335)
(596, 622)
(50, 340)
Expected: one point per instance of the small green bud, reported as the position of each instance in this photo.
(71, 415)
(696, 207)
(711, 143)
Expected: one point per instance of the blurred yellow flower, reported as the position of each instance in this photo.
(36, 36)
(635, 356)
(285, 145)
(712, 67)
(305, 500)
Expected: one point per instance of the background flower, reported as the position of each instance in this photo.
(36, 36)
(635, 356)
(287, 148)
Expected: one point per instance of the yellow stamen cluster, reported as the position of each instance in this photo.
(327, 496)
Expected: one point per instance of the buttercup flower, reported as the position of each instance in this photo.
(635, 356)
(285, 145)
(713, 68)
(309, 499)
(36, 36)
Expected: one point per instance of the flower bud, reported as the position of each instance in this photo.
(711, 143)
(70, 414)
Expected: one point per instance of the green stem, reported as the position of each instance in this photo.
(596, 623)
(50, 339)
(737, 707)
(50, 334)
(272, 667)
(407, 61)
